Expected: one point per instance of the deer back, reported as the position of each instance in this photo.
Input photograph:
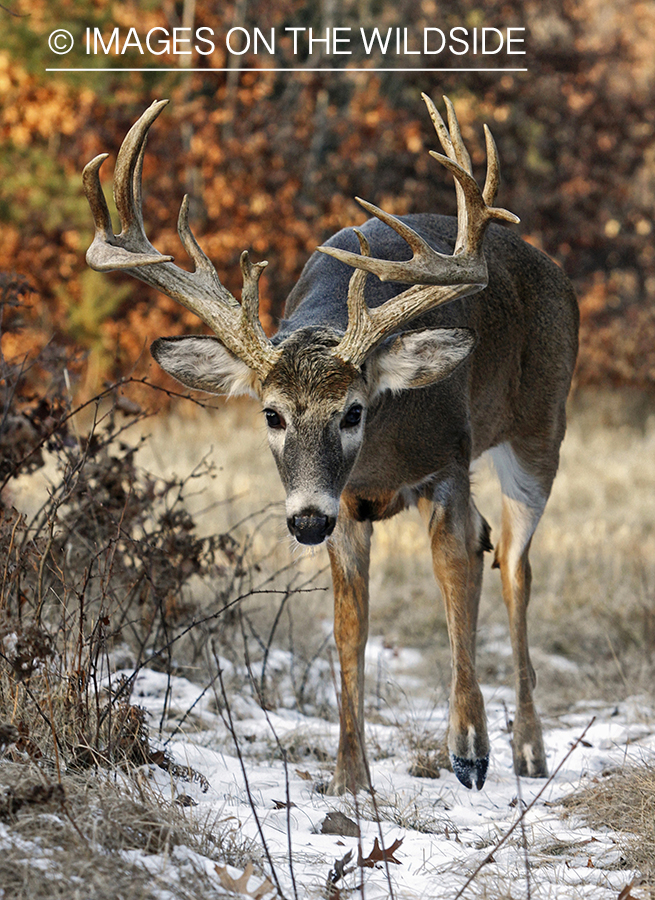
(526, 325)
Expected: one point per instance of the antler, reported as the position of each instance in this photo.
(236, 324)
(436, 277)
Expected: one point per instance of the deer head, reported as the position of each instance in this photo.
(316, 383)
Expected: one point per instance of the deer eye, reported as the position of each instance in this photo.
(273, 419)
(352, 417)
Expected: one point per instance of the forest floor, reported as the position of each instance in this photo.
(245, 749)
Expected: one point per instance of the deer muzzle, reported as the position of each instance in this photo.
(311, 527)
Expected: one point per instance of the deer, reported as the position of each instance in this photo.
(408, 348)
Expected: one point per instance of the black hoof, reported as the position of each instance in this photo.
(470, 770)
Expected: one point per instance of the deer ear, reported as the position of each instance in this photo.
(418, 358)
(201, 362)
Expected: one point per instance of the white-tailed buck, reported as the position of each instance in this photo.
(378, 393)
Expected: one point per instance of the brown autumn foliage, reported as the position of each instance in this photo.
(273, 160)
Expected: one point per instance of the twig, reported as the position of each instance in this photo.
(129, 682)
(180, 722)
(387, 870)
(520, 804)
(6, 568)
(269, 642)
(111, 389)
(489, 857)
(40, 596)
(36, 705)
(12, 13)
(52, 721)
(232, 730)
(283, 753)
(524, 840)
(361, 741)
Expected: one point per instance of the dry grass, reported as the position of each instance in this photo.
(91, 837)
(592, 634)
(107, 570)
(623, 801)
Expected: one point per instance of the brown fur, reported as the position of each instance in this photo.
(357, 441)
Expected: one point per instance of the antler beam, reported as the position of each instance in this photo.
(237, 325)
(436, 277)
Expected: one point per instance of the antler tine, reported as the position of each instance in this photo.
(199, 258)
(127, 180)
(369, 327)
(131, 248)
(95, 195)
(457, 152)
(237, 326)
(492, 180)
(250, 295)
(105, 253)
(425, 261)
(427, 265)
(359, 316)
(437, 278)
(461, 154)
(137, 183)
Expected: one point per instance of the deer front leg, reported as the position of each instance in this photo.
(459, 536)
(349, 551)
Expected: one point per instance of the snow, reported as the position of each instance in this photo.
(446, 830)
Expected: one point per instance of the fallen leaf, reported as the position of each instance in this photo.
(380, 854)
(338, 872)
(240, 885)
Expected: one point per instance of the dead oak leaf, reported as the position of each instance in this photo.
(380, 854)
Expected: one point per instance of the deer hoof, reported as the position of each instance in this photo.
(529, 760)
(470, 770)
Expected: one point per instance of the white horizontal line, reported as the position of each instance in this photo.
(183, 69)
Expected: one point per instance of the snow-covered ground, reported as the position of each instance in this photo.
(592, 559)
(446, 831)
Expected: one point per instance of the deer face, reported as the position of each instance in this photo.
(315, 403)
(315, 409)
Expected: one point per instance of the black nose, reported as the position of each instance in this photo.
(311, 527)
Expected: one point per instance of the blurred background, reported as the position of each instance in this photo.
(273, 160)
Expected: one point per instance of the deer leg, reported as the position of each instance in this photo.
(349, 551)
(524, 499)
(459, 536)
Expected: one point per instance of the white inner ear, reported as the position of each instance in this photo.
(418, 358)
(201, 362)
